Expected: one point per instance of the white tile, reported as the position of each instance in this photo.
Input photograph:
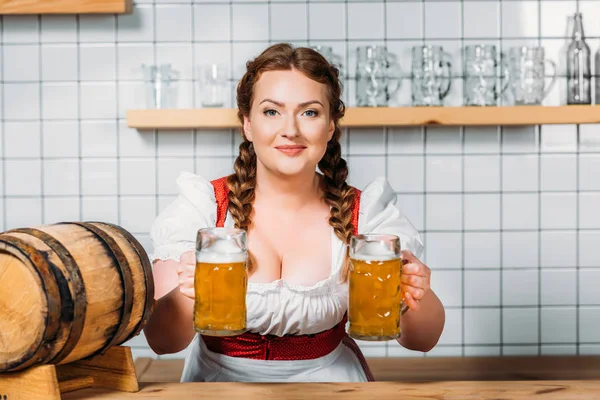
(135, 144)
(59, 62)
(213, 168)
(405, 173)
(59, 101)
(372, 351)
(482, 288)
(482, 326)
(589, 349)
(175, 143)
(482, 351)
(482, 139)
(250, 21)
(61, 177)
(520, 287)
(143, 353)
(288, 21)
(98, 62)
(97, 28)
(60, 139)
(360, 176)
(327, 21)
(559, 325)
(173, 23)
(137, 176)
(212, 22)
(589, 164)
(137, 26)
(98, 139)
(589, 137)
(520, 211)
(366, 141)
(404, 20)
(449, 13)
(412, 206)
(168, 171)
(20, 29)
(396, 350)
(447, 285)
(588, 286)
(482, 211)
(61, 209)
(103, 208)
(59, 29)
(179, 55)
(22, 177)
(558, 248)
(21, 63)
(520, 325)
(589, 256)
(559, 350)
(589, 321)
(519, 139)
(559, 287)
(405, 140)
(558, 138)
(482, 173)
(131, 56)
(446, 351)
(558, 210)
(145, 241)
(214, 142)
(365, 20)
(17, 94)
(482, 249)
(523, 350)
(132, 95)
(443, 211)
(453, 328)
(443, 250)
(23, 213)
(554, 16)
(520, 173)
(99, 177)
(98, 100)
(520, 249)
(520, 18)
(137, 213)
(164, 201)
(443, 173)
(445, 139)
(558, 172)
(589, 8)
(481, 19)
(589, 215)
(244, 52)
(22, 139)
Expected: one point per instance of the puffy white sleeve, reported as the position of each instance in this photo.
(174, 231)
(379, 214)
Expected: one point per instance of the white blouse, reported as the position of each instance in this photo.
(279, 308)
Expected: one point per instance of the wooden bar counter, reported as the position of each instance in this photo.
(443, 378)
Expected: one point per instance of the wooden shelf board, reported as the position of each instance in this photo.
(224, 118)
(65, 6)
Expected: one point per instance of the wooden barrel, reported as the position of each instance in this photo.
(69, 291)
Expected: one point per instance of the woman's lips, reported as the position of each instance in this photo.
(290, 150)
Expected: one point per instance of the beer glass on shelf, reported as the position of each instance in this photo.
(375, 301)
(220, 282)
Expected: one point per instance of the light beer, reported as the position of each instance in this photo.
(375, 294)
(220, 285)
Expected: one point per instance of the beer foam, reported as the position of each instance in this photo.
(220, 258)
(375, 251)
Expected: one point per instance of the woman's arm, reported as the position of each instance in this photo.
(422, 328)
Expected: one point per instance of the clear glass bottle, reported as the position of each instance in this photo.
(579, 66)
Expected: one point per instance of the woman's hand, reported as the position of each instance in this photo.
(186, 271)
(416, 279)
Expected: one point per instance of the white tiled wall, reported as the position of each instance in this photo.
(510, 215)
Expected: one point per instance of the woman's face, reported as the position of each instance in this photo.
(289, 123)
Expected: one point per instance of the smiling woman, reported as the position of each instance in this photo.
(289, 194)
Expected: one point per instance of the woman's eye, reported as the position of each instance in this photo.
(311, 113)
(270, 112)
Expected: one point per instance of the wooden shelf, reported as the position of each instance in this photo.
(65, 6)
(223, 118)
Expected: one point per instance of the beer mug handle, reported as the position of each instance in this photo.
(394, 74)
(403, 305)
(553, 77)
(447, 67)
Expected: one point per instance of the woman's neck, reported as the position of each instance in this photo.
(288, 192)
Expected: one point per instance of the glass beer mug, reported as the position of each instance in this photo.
(220, 282)
(375, 291)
